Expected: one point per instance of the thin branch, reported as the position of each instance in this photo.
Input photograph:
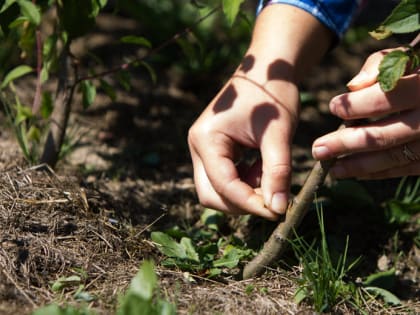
(279, 239)
(150, 52)
(415, 41)
(37, 98)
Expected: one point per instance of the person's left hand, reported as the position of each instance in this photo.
(389, 146)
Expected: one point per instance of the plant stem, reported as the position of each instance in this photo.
(279, 239)
(61, 112)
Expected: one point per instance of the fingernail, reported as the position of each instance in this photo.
(320, 152)
(279, 203)
(360, 78)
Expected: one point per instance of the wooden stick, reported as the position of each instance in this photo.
(279, 239)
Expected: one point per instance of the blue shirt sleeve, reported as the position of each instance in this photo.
(334, 14)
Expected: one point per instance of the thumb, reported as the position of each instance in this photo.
(368, 73)
(276, 172)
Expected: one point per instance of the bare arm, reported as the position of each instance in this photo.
(257, 108)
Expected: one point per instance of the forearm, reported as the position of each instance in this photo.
(286, 42)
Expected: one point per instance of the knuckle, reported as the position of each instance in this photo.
(279, 170)
(374, 137)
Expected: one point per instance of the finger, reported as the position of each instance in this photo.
(372, 102)
(368, 73)
(276, 175)
(379, 135)
(367, 164)
(219, 187)
(412, 169)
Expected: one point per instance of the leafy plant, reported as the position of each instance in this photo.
(405, 18)
(141, 298)
(406, 201)
(41, 126)
(204, 251)
(322, 279)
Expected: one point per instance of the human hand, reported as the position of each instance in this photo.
(388, 146)
(245, 115)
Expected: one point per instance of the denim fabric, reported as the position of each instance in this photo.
(335, 14)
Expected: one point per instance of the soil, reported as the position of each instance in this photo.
(129, 173)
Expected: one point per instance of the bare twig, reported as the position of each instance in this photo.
(279, 239)
(37, 98)
(61, 112)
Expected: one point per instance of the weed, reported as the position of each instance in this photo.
(202, 250)
(141, 298)
(322, 280)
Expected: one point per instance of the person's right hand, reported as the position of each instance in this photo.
(245, 115)
(257, 109)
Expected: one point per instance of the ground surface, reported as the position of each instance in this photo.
(130, 174)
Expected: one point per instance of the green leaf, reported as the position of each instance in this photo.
(144, 283)
(108, 89)
(65, 282)
(34, 134)
(30, 11)
(47, 105)
(88, 92)
(300, 294)
(387, 296)
(124, 79)
(230, 260)
(392, 68)
(405, 18)
(231, 9)
(23, 113)
(6, 5)
(189, 249)
(137, 40)
(168, 246)
(212, 218)
(383, 279)
(151, 71)
(17, 72)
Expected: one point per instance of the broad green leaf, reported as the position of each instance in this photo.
(6, 5)
(144, 283)
(212, 218)
(213, 272)
(231, 9)
(387, 296)
(189, 249)
(30, 11)
(392, 68)
(405, 18)
(17, 22)
(230, 260)
(88, 93)
(14, 74)
(168, 246)
(65, 282)
(137, 40)
(383, 279)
